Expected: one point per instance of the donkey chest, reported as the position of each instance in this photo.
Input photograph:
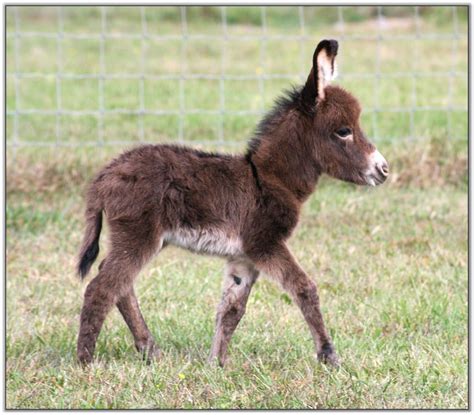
(212, 241)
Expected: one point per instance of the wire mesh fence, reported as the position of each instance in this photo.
(95, 76)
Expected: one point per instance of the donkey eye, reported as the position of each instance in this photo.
(344, 132)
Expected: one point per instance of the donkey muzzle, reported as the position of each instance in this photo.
(377, 172)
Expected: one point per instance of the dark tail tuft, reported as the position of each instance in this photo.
(90, 244)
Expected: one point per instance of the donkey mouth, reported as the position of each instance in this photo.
(375, 179)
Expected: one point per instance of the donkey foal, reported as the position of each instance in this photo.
(242, 208)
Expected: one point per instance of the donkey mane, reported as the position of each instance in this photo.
(290, 99)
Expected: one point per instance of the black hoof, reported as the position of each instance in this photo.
(327, 355)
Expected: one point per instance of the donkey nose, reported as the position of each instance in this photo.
(379, 164)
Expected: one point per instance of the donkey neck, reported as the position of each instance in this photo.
(282, 156)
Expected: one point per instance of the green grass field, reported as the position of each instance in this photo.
(432, 58)
(391, 262)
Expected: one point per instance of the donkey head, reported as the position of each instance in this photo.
(340, 146)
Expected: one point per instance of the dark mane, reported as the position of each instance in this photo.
(291, 99)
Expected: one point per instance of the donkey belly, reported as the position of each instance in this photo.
(206, 241)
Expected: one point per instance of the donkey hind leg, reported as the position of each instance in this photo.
(239, 277)
(144, 342)
(131, 248)
(294, 280)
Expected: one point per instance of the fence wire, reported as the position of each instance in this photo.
(19, 32)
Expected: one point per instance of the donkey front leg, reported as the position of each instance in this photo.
(281, 265)
(239, 277)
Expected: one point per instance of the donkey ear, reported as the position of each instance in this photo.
(324, 68)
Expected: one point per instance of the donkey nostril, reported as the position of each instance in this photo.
(383, 168)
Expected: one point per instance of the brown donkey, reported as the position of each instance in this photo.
(242, 208)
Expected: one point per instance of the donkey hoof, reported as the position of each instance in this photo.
(330, 359)
(152, 355)
(84, 357)
(216, 361)
(328, 356)
(150, 352)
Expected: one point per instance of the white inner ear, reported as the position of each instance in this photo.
(325, 72)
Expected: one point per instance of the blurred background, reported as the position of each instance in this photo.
(85, 83)
(95, 76)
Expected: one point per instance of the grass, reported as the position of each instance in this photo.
(235, 57)
(391, 262)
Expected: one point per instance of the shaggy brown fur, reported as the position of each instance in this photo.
(243, 208)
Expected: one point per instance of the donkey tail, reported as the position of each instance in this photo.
(90, 243)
